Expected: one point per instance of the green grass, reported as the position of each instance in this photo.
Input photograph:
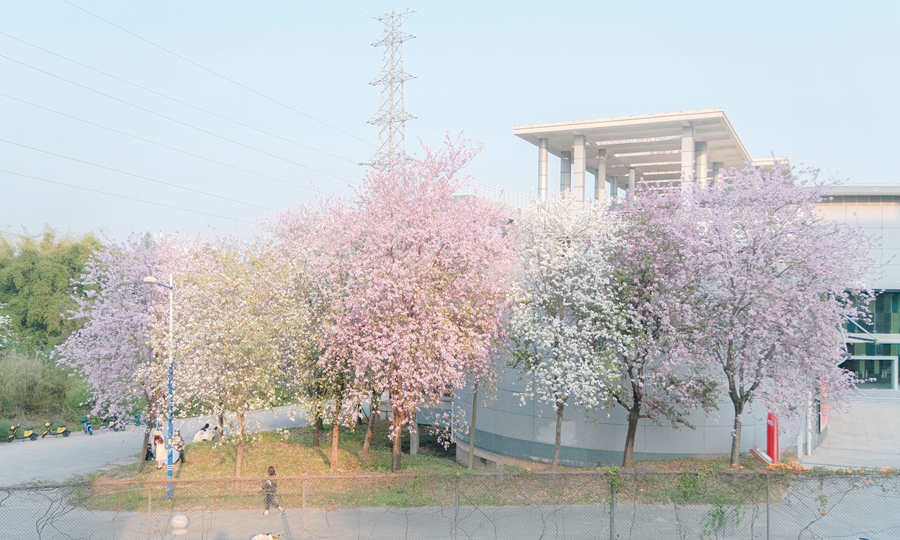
(435, 483)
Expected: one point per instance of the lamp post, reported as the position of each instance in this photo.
(171, 287)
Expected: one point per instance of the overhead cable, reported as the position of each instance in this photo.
(154, 180)
(237, 122)
(185, 152)
(204, 68)
(126, 197)
(175, 120)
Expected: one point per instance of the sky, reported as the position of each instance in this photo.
(264, 105)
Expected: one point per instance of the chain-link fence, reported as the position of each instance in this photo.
(622, 505)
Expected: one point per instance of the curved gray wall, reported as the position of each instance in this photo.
(506, 427)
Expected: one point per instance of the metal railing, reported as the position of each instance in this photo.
(481, 188)
(618, 505)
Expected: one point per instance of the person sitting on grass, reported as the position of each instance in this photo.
(199, 436)
(270, 486)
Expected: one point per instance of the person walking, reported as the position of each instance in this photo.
(178, 443)
(270, 486)
(159, 445)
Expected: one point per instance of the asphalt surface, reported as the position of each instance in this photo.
(54, 459)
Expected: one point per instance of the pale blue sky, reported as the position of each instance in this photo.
(814, 81)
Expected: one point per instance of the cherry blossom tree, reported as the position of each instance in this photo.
(564, 319)
(778, 281)
(319, 262)
(658, 374)
(425, 285)
(111, 350)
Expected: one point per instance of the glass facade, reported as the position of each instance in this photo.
(885, 320)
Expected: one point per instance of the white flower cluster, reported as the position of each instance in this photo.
(564, 314)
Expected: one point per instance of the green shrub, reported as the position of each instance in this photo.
(34, 389)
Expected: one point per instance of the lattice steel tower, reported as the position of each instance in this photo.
(391, 117)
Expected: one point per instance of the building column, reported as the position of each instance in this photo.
(542, 169)
(579, 160)
(687, 158)
(631, 184)
(702, 163)
(613, 189)
(718, 167)
(600, 181)
(565, 174)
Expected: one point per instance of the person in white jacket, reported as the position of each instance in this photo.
(201, 435)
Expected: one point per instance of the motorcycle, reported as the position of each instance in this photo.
(109, 423)
(17, 432)
(60, 429)
(86, 426)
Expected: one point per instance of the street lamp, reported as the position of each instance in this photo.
(171, 286)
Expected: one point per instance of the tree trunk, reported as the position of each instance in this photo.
(398, 437)
(221, 425)
(736, 440)
(240, 452)
(317, 433)
(335, 435)
(628, 458)
(560, 405)
(142, 457)
(373, 411)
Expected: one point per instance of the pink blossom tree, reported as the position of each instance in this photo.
(111, 350)
(778, 281)
(424, 287)
(313, 244)
(658, 374)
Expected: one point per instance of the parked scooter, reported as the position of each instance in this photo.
(17, 432)
(86, 426)
(109, 423)
(49, 429)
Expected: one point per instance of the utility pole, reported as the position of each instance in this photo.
(391, 116)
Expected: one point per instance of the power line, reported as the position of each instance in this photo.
(178, 100)
(204, 68)
(126, 197)
(482, 79)
(157, 143)
(479, 53)
(137, 175)
(176, 121)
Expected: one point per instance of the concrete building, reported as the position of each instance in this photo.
(676, 150)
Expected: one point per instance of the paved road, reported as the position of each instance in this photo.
(867, 434)
(862, 513)
(54, 459)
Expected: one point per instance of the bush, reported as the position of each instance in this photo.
(33, 389)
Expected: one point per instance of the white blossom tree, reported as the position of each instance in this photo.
(564, 316)
(237, 330)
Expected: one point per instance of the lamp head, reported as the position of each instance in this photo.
(151, 279)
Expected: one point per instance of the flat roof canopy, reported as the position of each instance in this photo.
(650, 144)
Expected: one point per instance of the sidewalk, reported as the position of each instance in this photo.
(54, 459)
(867, 434)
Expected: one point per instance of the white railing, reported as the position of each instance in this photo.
(481, 188)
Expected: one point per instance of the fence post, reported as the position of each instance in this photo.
(612, 509)
(149, 511)
(456, 510)
(768, 505)
(303, 513)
